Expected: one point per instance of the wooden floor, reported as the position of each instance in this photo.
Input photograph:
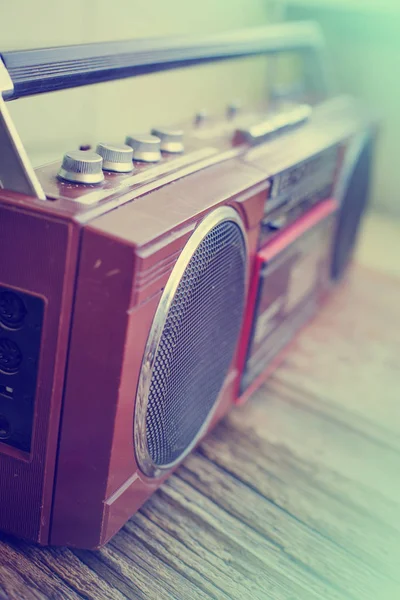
(294, 496)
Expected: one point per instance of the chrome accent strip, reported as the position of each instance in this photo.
(145, 463)
(16, 171)
(276, 124)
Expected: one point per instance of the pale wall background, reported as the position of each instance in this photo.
(363, 37)
(52, 123)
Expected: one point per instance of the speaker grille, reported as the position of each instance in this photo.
(197, 341)
(353, 205)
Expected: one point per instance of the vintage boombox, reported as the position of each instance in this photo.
(147, 287)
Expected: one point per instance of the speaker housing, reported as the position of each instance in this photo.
(127, 258)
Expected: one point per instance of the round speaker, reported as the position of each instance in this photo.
(353, 193)
(191, 342)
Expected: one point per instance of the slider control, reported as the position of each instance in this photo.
(274, 125)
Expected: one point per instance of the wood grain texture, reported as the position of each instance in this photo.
(295, 496)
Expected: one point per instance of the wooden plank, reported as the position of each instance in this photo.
(349, 356)
(266, 468)
(341, 415)
(23, 578)
(143, 577)
(107, 566)
(165, 578)
(14, 585)
(337, 457)
(294, 496)
(322, 560)
(62, 564)
(200, 536)
(177, 545)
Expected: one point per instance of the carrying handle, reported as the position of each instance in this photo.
(49, 69)
(31, 72)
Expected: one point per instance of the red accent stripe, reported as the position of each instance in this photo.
(290, 235)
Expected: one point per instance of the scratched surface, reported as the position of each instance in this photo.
(294, 496)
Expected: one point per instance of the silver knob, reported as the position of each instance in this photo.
(79, 166)
(171, 139)
(116, 158)
(145, 147)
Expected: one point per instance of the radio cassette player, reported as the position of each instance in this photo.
(149, 284)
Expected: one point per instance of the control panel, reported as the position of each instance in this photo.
(297, 189)
(86, 167)
(21, 320)
(96, 173)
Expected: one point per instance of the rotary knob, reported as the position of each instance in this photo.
(171, 139)
(116, 158)
(79, 166)
(146, 148)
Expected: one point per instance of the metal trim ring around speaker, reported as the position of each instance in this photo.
(145, 463)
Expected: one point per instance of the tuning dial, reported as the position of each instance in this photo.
(116, 158)
(146, 148)
(82, 167)
(171, 139)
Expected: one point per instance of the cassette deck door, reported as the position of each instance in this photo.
(290, 278)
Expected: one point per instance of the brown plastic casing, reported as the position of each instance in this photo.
(39, 256)
(99, 257)
(127, 256)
